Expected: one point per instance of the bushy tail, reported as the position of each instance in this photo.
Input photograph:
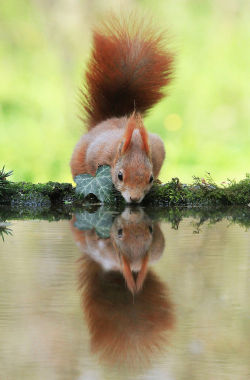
(127, 70)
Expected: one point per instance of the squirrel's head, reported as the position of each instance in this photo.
(132, 169)
(132, 233)
(137, 241)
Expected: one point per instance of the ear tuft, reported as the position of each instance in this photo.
(144, 136)
(142, 274)
(135, 122)
(130, 127)
(128, 275)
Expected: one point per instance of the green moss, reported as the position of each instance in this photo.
(202, 192)
(173, 201)
(25, 193)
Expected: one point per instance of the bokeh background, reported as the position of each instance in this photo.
(44, 46)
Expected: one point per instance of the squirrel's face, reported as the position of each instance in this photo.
(132, 175)
(132, 233)
(132, 169)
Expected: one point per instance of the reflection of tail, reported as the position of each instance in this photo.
(135, 285)
(124, 330)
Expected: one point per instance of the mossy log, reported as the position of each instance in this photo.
(174, 193)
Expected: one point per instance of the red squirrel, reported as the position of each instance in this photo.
(126, 73)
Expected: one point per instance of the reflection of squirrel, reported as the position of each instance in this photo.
(124, 78)
(125, 330)
(134, 242)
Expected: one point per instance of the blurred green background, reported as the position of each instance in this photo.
(204, 121)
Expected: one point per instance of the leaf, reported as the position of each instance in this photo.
(100, 185)
(101, 220)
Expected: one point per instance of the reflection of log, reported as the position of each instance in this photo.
(172, 215)
(171, 193)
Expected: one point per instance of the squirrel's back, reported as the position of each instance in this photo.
(128, 68)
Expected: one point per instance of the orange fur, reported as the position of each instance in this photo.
(130, 127)
(127, 70)
(142, 274)
(135, 122)
(128, 275)
(144, 136)
(134, 286)
(124, 330)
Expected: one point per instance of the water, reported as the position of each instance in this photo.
(137, 299)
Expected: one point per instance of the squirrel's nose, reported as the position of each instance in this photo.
(136, 200)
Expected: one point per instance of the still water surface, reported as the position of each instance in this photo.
(132, 299)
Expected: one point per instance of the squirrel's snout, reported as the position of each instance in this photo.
(131, 197)
(135, 200)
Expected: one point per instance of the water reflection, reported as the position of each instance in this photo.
(126, 306)
(5, 230)
(46, 334)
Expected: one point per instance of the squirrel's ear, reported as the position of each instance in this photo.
(144, 135)
(130, 127)
(142, 274)
(127, 273)
(135, 121)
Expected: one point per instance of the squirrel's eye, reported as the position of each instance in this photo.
(150, 229)
(151, 178)
(119, 232)
(120, 176)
